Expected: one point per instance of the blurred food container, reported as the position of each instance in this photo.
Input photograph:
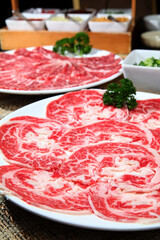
(101, 23)
(81, 11)
(59, 23)
(145, 78)
(151, 39)
(152, 22)
(36, 20)
(44, 11)
(125, 11)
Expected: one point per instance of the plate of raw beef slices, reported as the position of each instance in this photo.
(74, 160)
(39, 70)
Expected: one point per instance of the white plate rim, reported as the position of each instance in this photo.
(99, 52)
(83, 221)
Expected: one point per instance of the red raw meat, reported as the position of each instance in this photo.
(139, 182)
(156, 134)
(113, 203)
(89, 164)
(147, 113)
(32, 142)
(45, 189)
(42, 69)
(107, 130)
(83, 107)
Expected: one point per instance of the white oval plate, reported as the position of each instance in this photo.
(94, 52)
(38, 109)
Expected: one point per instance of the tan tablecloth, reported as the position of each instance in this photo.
(17, 223)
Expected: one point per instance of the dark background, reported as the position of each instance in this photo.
(5, 9)
(143, 7)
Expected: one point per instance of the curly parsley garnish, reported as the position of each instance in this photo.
(120, 94)
(78, 44)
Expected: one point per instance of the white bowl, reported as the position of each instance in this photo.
(96, 26)
(14, 23)
(151, 39)
(152, 22)
(144, 78)
(66, 26)
(44, 11)
(122, 11)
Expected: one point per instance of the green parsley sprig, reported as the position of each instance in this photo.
(120, 94)
(78, 44)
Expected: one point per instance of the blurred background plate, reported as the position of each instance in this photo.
(151, 39)
(152, 22)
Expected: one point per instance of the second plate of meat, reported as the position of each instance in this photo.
(39, 70)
